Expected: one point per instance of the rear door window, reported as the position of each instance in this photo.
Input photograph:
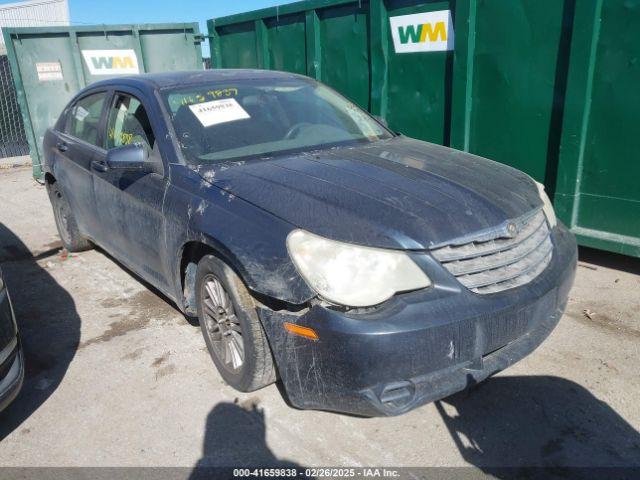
(83, 118)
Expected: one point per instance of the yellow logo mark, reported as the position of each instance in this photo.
(433, 33)
(123, 62)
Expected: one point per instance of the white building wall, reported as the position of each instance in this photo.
(33, 13)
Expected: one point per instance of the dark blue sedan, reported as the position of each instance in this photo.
(370, 272)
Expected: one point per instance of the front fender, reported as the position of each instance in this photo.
(252, 240)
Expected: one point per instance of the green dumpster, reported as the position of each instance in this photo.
(50, 64)
(547, 86)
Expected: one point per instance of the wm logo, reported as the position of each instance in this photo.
(111, 62)
(422, 32)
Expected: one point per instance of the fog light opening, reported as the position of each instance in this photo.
(397, 395)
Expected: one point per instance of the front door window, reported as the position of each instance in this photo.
(128, 124)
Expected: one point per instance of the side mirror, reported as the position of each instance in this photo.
(129, 157)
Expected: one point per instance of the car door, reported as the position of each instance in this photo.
(78, 140)
(129, 202)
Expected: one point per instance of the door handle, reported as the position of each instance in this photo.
(62, 146)
(99, 166)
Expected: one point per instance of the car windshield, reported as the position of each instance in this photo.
(218, 121)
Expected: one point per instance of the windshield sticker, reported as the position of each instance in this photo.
(219, 111)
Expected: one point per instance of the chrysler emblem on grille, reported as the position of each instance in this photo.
(512, 229)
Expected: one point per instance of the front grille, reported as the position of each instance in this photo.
(499, 262)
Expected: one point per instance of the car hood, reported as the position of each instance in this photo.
(400, 193)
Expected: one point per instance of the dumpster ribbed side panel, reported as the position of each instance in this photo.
(234, 42)
(547, 86)
(419, 94)
(516, 76)
(609, 187)
(597, 193)
(51, 64)
(286, 43)
(344, 50)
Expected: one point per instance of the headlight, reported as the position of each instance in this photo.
(351, 275)
(547, 206)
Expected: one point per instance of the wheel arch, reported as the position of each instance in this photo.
(188, 256)
(49, 179)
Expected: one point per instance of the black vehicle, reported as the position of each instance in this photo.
(371, 272)
(11, 359)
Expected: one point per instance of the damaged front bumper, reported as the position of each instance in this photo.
(11, 358)
(11, 375)
(420, 346)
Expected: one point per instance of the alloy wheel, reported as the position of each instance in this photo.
(62, 216)
(222, 325)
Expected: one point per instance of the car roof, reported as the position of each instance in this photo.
(170, 79)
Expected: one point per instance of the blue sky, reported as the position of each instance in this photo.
(149, 11)
(154, 11)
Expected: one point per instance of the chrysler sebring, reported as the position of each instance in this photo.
(370, 272)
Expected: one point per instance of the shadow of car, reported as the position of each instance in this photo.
(539, 421)
(49, 327)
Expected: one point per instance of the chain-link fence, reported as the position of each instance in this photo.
(13, 142)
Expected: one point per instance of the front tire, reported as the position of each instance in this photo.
(231, 328)
(68, 229)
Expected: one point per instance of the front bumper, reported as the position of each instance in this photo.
(11, 376)
(420, 346)
(11, 358)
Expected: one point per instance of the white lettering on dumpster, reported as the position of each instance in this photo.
(49, 71)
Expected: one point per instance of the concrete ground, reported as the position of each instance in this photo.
(13, 162)
(117, 377)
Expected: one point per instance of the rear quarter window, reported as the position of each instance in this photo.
(83, 118)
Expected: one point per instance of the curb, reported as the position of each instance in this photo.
(15, 162)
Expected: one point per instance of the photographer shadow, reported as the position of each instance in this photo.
(537, 421)
(235, 437)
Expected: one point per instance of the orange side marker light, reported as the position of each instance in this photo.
(305, 332)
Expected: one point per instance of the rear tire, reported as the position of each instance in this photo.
(231, 328)
(68, 230)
